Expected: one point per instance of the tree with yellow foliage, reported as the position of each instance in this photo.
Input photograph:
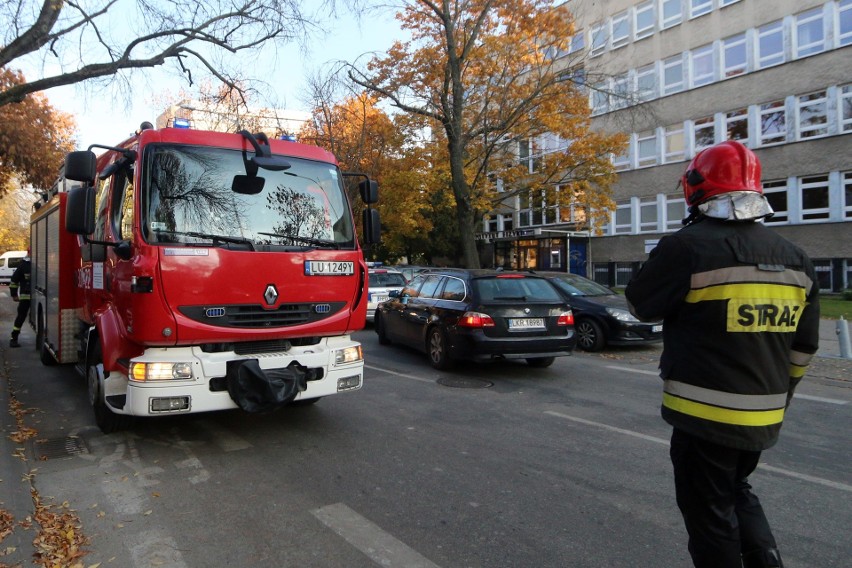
(34, 138)
(485, 76)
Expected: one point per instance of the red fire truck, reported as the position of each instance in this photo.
(190, 271)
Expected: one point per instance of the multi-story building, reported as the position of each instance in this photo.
(201, 116)
(680, 75)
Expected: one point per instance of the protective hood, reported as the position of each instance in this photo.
(737, 206)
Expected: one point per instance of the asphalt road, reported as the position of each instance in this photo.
(490, 465)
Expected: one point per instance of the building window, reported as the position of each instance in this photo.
(620, 29)
(773, 123)
(622, 222)
(620, 92)
(598, 39)
(675, 144)
(809, 33)
(675, 213)
(578, 42)
(646, 149)
(736, 125)
(847, 195)
(812, 115)
(600, 99)
(723, 3)
(671, 13)
(646, 83)
(621, 161)
(701, 66)
(700, 7)
(491, 225)
(814, 198)
(673, 75)
(846, 108)
(770, 45)
(824, 274)
(648, 215)
(844, 23)
(705, 133)
(734, 55)
(643, 20)
(776, 195)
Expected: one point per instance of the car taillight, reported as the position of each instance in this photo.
(475, 319)
(566, 318)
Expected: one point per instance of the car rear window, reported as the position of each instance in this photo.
(515, 289)
(387, 280)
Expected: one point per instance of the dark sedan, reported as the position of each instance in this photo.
(601, 316)
(478, 314)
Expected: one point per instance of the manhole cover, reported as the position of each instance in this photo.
(61, 447)
(464, 383)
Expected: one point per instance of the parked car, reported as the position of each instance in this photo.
(381, 282)
(478, 314)
(9, 261)
(601, 316)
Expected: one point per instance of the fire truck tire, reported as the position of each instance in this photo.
(44, 354)
(106, 419)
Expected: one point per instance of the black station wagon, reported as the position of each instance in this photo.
(478, 314)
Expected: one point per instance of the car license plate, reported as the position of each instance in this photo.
(380, 299)
(656, 329)
(329, 268)
(526, 323)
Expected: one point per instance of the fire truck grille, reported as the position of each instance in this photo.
(257, 317)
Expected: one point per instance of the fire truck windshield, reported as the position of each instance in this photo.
(188, 197)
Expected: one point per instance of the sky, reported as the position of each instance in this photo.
(103, 117)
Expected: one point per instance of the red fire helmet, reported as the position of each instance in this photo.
(723, 168)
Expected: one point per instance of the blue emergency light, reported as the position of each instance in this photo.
(180, 123)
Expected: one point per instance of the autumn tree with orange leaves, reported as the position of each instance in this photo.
(484, 76)
(34, 138)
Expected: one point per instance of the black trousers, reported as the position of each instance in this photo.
(23, 311)
(723, 517)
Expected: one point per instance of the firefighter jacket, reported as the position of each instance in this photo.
(19, 286)
(741, 322)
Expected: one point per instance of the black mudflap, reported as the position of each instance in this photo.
(258, 390)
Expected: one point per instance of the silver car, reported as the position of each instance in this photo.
(381, 282)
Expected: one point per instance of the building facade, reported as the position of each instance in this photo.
(680, 75)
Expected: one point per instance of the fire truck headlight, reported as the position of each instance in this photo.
(348, 355)
(160, 371)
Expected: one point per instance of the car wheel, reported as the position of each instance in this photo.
(540, 362)
(106, 419)
(380, 330)
(436, 348)
(590, 336)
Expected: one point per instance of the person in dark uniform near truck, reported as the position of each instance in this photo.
(19, 288)
(740, 307)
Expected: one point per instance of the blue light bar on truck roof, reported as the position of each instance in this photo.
(180, 123)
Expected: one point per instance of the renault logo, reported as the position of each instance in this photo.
(271, 294)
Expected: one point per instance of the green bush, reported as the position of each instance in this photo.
(847, 294)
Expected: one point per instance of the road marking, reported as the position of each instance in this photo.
(632, 370)
(378, 545)
(797, 395)
(398, 374)
(773, 469)
(820, 399)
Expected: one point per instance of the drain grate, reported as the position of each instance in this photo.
(60, 448)
(464, 383)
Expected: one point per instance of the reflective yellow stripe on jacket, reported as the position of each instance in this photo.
(724, 407)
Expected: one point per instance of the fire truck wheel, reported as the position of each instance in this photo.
(44, 354)
(106, 419)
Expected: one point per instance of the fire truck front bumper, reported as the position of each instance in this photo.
(334, 365)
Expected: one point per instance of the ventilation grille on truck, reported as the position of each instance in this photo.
(257, 317)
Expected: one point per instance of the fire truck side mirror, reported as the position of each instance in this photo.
(369, 190)
(372, 227)
(80, 210)
(81, 166)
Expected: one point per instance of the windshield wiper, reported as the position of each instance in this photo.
(504, 298)
(306, 240)
(215, 238)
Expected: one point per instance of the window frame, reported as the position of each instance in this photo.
(622, 18)
(698, 8)
(765, 109)
(598, 32)
(821, 129)
(737, 115)
(814, 214)
(728, 43)
(844, 108)
(668, 133)
(772, 187)
(844, 8)
(707, 122)
(638, 11)
(672, 20)
(669, 63)
(777, 57)
(643, 95)
(651, 160)
(699, 55)
(800, 20)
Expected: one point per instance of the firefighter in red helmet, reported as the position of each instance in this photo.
(741, 323)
